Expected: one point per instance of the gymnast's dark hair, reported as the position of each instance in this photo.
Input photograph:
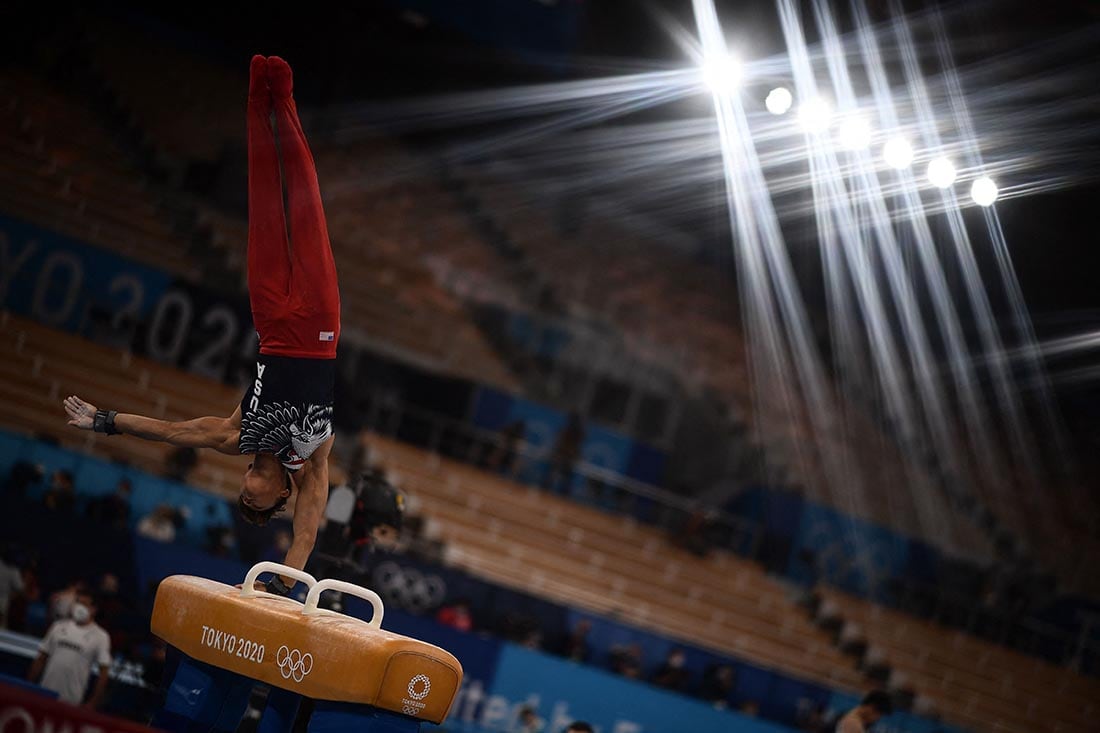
(260, 517)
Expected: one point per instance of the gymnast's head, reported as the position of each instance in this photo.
(265, 488)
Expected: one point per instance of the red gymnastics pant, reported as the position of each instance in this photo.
(292, 284)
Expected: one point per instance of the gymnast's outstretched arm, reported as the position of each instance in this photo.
(219, 433)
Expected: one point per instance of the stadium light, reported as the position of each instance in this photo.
(898, 153)
(815, 115)
(779, 101)
(854, 133)
(722, 73)
(941, 172)
(984, 191)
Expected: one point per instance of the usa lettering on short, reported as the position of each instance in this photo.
(258, 387)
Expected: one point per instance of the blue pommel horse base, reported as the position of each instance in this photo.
(361, 677)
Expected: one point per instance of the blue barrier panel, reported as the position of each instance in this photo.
(606, 449)
(52, 459)
(562, 692)
(157, 560)
(55, 279)
(857, 556)
(96, 477)
(602, 447)
(60, 282)
(779, 696)
(12, 449)
(646, 464)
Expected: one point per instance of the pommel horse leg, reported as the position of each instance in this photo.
(203, 698)
(361, 677)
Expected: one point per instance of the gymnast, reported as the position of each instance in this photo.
(284, 420)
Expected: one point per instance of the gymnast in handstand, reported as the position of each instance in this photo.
(284, 420)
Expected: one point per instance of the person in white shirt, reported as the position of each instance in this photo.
(158, 525)
(68, 651)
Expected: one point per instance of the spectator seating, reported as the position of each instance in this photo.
(549, 546)
(976, 683)
(603, 553)
(59, 168)
(45, 365)
(397, 230)
(649, 293)
(190, 106)
(391, 301)
(387, 245)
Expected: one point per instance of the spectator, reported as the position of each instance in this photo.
(155, 663)
(814, 719)
(60, 496)
(338, 512)
(852, 640)
(672, 675)
(61, 602)
(11, 582)
(718, 683)
(697, 533)
(874, 706)
(180, 463)
(502, 458)
(220, 540)
(20, 603)
(67, 653)
(113, 509)
(575, 645)
(456, 616)
(532, 639)
(113, 609)
(529, 721)
(626, 660)
(579, 726)
(379, 512)
(567, 450)
(279, 547)
(23, 475)
(159, 524)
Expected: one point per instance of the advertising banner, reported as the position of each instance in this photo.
(851, 554)
(22, 710)
(562, 691)
(58, 281)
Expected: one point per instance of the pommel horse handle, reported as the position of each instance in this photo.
(248, 588)
(314, 596)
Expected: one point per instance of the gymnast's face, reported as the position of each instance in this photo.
(264, 483)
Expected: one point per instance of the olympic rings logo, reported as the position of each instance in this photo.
(292, 663)
(422, 693)
(408, 588)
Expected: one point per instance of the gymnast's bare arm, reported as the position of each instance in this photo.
(309, 507)
(219, 433)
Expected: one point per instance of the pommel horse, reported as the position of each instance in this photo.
(361, 677)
